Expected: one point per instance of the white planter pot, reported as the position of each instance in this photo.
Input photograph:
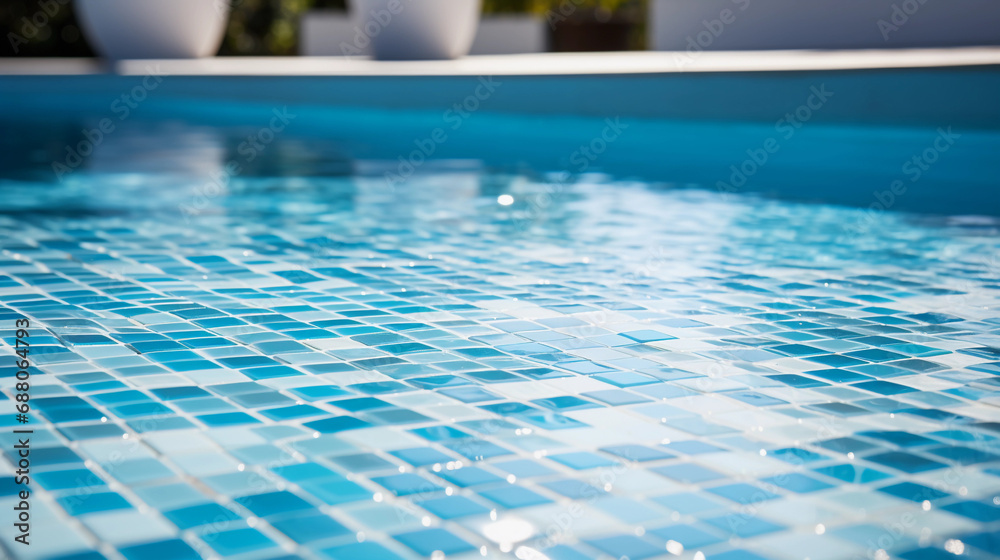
(124, 29)
(417, 29)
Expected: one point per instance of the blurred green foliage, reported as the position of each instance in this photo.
(262, 27)
(256, 27)
(29, 29)
(268, 27)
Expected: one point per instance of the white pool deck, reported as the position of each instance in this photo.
(536, 64)
(925, 87)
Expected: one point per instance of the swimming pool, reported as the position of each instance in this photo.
(271, 332)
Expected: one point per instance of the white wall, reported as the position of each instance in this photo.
(326, 33)
(679, 25)
(510, 35)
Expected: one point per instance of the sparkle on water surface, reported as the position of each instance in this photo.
(504, 365)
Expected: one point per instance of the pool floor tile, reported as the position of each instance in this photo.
(312, 365)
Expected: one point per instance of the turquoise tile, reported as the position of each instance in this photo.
(427, 541)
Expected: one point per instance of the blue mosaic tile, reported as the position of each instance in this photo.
(796, 482)
(626, 545)
(905, 462)
(742, 525)
(165, 549)
(238, 541)
(310, 528)
(314, 367)
(407, 484)
(203, 514)
(427, 541)
(512, 497)
(983, 512)
(273, 503)
(469, 476)
(360, 551)
(689, 536)
(453, 507)
(574, 489)
(853, 473)
(95, 502)
(743, 493)
(688, 473)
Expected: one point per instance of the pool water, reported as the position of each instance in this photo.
(305, 360)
